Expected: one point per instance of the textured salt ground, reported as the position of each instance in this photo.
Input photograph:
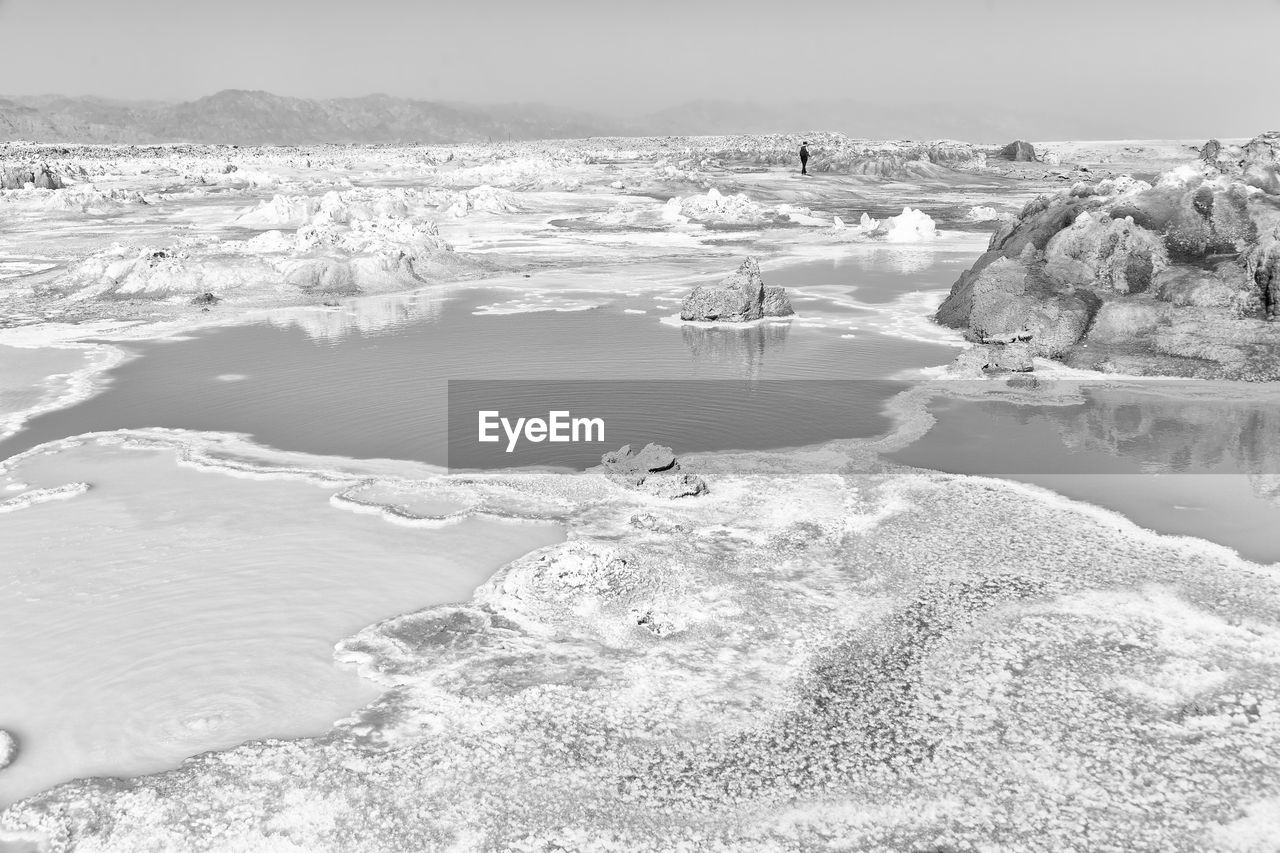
(191, 201)
(167, 609)
(808, 658)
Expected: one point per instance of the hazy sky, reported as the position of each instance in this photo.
(1124, 67)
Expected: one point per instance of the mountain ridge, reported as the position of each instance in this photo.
(256, 117)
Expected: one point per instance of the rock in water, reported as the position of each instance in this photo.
(775, 302)
(8, 749)
(1209, 153)
(653, 469)
(1019, 150)
(740, 298)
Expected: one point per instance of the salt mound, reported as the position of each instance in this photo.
(527, 172)
(910, 226)
(123, 270)
(800, 215)
(981, 213)
(268, 243)
(333, 206)
(714, 208)
(482, 199)
(82, 198)
(361, 255)
(8, 749)
(280, 210)
(738, 209)
(370, 255)
(39, 177)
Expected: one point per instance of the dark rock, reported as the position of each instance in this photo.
(653, 469)
(998, 358)
(1180, 279)
(1225, 286)
(775, 302)
(206, 299)
(45, 179)
(1261, 162)
(1262, 267)
(1012, 298)
(1019, 151)
(1125, 320)
(740, 298)
(1209, 153)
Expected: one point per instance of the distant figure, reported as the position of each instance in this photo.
(804, 158)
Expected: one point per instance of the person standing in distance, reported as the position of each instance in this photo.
(804, 158)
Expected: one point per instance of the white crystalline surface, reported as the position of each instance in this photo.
(984, 213)
(174, 609)
(892, 660)
(910, 226)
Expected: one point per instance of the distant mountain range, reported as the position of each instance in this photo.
(240, 117)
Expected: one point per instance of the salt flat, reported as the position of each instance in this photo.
(222, 370)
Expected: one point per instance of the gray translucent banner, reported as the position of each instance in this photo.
(1020, 426)
(687, 415)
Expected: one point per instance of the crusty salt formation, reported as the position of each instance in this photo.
(896, 660)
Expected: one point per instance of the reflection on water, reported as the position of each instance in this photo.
(725, 350)
(1174, 433)
(877, 273)
(376, 388)
(362, 316)
(1188, 458)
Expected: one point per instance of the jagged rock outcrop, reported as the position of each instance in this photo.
(1019, 150)
(1180, 278)
(653, 469)
(1261, 162)
(739, 298)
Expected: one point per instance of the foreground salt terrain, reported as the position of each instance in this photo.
(824, 652)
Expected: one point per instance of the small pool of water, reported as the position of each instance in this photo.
(336, 386)
(1177, 461)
